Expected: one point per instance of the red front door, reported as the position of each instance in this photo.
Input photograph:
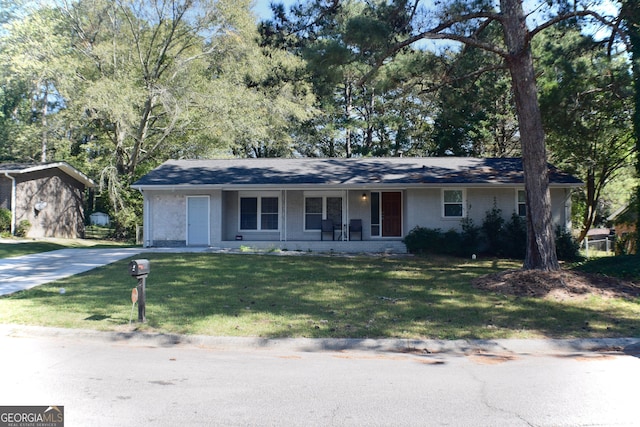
(391, 214)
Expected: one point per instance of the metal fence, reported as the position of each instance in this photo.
(599, 243)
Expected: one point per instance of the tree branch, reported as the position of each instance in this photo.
(437, 33)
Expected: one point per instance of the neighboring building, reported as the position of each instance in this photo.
(624, 222)
(50, 196)
(282, 203)
(99, 218)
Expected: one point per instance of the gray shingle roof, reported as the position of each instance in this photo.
(20, 168)
(344, 172)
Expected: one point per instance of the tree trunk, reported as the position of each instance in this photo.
(630, 12)
(590, 211)
(348, 99)
(45, 127)
(541, 249)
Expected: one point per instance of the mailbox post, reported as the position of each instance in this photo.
(139, 268)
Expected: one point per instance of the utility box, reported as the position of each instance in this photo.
(139, 267)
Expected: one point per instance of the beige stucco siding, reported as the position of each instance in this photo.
(168, 217)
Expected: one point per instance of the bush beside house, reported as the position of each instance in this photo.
(496, 237)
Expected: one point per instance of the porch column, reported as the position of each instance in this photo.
(345, 225)
(283, 230)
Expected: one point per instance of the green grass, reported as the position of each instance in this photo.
(25, 247)
(97, 232)
(626, 267)
(316, 296)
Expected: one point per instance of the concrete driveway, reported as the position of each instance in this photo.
(27, 271)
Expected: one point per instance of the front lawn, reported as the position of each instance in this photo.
(316, 296)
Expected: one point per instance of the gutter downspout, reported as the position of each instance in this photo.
(13, 202)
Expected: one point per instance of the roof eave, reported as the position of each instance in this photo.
(360, 186)
(64, 167)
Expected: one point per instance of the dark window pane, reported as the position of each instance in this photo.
(522, 209)
(249, 213)
(313, 213)
(452, 210)
(313, 221)
(269, 205)
(269, 222)
(313, 205)
(375, 208)
(334, 209)
(453, 196)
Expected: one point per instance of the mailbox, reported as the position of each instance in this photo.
(139, 267)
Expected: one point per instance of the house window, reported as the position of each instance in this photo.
(312, 213)
(317, 208)
(259, 213)
(521, 203)
(269, 213)
(375, 214)
(453, 203)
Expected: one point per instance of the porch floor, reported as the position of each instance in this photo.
(353, 246)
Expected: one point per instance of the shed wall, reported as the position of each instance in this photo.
(63, 214)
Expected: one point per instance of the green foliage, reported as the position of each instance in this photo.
(586, 102)
(567, 248)
(471, 238)
(5, 220)
(514, 238)
(623, 266)
(23, 228)
(627, 244)
(450, 243)
(421, 240)
(496, 237)
(198, 85)
(493, 229)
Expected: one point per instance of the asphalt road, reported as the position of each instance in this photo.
(138, 381)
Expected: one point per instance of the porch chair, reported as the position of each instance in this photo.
(327, 227)
(355, 226)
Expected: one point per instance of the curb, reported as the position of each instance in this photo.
(629, 346)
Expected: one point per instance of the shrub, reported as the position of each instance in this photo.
(423, 240)
(513, 241)
(567, 248)
(5, 220)
(451, 243)
(470, 242)
(626, 244)
(509, 242)
(23, 228)
(493, 228)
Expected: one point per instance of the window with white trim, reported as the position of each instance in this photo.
(259, 213)
(453, 203)
(521, 203)
(319, 207)
(313, 213)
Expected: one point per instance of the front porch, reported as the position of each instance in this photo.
(338, 246)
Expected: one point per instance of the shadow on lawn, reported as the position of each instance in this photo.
(320, 297)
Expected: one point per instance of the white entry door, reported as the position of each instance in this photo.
(198, 221)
